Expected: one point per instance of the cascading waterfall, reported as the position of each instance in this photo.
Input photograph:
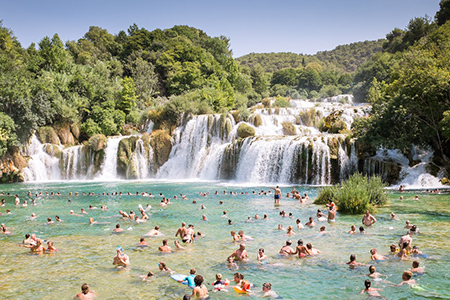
(41, 165)
(139, 161)
(109, 168)
(208, 147)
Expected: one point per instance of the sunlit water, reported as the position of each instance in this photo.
(86, 252)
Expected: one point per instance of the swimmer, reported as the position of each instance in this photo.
(121, 259)
(219, 284)
(124, 214)
(368, 219)
(277, 195)
(415, 250)
(301, 250)
(236, 238)
(16, 200)
(58, 219)
(224, 214)
(416, 268)
(353, 263)
(163, 267)
(416, 197)
(154, 232)
(376, 256)
(35, 248)
(83, 211)
(393, 216)
(165, 247)
(142, 243)
(204, 218)
(406, 238)
(49, 221)
(299, 224)
(72, 213)
(280, 227)
(406, 276)
(231, 265)
(320, 214)
(290, 230)
(372, 292)
(403, 251)
(393, 249)
(362, 230)
(24, 203)
(244, 237)
(92, 222)
(372, 273)
(312, 251)
(149, 275)
(408, 225)
(352, 230)
(260, 256)
(310, 223)
(287, 250)
(322, 230)
(190, 278)
(6, 231)
(267, 291)
(86, 294)
(118, 229)
(178, 246)
(50, 247)
(33, 216)
(203, 206)
(200, 291)
(182, 230)
(240, 254)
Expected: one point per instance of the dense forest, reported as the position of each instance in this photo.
(112, 84)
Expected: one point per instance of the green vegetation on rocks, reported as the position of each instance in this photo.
(162, 145)
(244, 130)
(355, 195)
(289, 128)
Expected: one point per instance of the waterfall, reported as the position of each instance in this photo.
(194, 145)
(72, 159)
(139, 161)
(41, 165)
(109, 167)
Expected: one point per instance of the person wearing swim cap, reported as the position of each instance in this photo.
(121, 259)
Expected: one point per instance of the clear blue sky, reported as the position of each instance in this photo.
(299, 26)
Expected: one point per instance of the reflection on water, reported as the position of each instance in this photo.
(86, 252)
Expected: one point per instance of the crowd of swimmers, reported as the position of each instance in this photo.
(187, 235)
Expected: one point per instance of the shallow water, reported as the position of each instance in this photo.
(86, 252)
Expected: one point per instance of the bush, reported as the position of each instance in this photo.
(356, 195)
(281, 102)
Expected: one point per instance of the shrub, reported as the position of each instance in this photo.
(281, 102)
(356, 195)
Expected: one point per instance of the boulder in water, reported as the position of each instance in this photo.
(244, 130)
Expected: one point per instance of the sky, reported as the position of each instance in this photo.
(298, 26)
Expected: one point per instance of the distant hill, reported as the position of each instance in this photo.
(343, 58)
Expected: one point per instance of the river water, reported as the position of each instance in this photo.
(86, 252)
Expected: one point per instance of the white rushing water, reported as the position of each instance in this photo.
(109, 168)
(207, 147)
(41, 165)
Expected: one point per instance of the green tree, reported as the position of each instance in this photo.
(443, 14)
(128, 96)
(8, 136)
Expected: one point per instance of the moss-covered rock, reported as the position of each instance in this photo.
(333, 145)
(289, 128)
(11, 166)
(244, 130)
(162, 146)
(53, 150)
(76, 130)
(47, 134)
(445, 181)
(127, 146)
(333, 123)
(236, 116)
(257, 120)
(65, 134)
(94, 150)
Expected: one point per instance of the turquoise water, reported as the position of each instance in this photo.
(86, 252)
